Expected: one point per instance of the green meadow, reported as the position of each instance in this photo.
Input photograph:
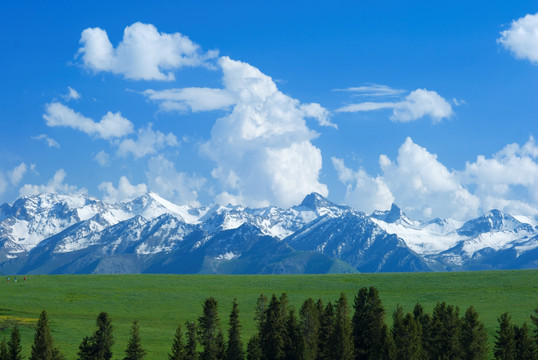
(161, 302)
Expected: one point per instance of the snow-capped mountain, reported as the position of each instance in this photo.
(51, 233)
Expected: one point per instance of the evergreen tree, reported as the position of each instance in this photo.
(220, 346)
(525, 345)
(234, 350)
(293, 345)
(3, 349)
(505, 346)
(260, 312)
(14, 345)
(406, 335)
(178, 348)
(367, 322)
(474, 338)
(99, 345)
(445, 333)
(208, 330)
(388, 349)
(309, 322)
(424, 322)
(86, 349)
(272, 339)
(534, 320)
(254, 350)
(190, 346)
(341, 344)
(43, 346)
(134, 349)
(326, 330)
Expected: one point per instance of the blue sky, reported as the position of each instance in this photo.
(430, 106)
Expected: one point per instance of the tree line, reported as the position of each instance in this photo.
(317, 331)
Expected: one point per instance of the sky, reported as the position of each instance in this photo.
(430, 106)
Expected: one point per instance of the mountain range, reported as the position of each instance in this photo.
(78, 234)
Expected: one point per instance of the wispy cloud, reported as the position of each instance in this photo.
(374, 90)
(50, 141)
(419, 103)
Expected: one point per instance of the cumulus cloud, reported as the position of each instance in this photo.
(54, 185)
(48, 140)
(363, 191)
(112, 125)
(16, 175)
(191, 99)
(102, 158)
(417, 181)
(508, 180)
(143, 54)
(147, 142)
(418, 104)
(522, 38)
(124, 192)
(262, 149)
(177, 186)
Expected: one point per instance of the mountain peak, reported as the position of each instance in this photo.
(315, 201)
(493, 220)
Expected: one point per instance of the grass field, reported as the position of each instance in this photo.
(160, 302)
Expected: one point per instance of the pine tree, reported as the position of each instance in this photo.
(272, 337)
(293, 346)
(43, 346)
(3, 350)
(534, 320)
(234, 350)
(341, 345)
(14, 345)
(505, 346)
(103, 338)
(326, 330)
(445, 333)
(388, 349)
(367, 322)
(134, 349)
(260, 312)
(208, 330)
(254, 350)
(220, 346)
(309, 322)
(86, 349)
(525, 345)
(424, 322)
(190, 346)
(406, 335)
(178, 348)
(474, 338)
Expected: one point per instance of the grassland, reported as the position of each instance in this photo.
(160, 302)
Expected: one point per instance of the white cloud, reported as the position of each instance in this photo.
(176, 186)
(193, 99)
(124, 192)
(102, 158)
(374, 90)
(522, 38)
(54, 185)
(18, 173)
(418, 182)
(262, 149)
(50, 141)
(147, 142)
(363, 191)
(112, 125)
(72, 94)
(418, 104)
(508, 180)
(143, 54)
